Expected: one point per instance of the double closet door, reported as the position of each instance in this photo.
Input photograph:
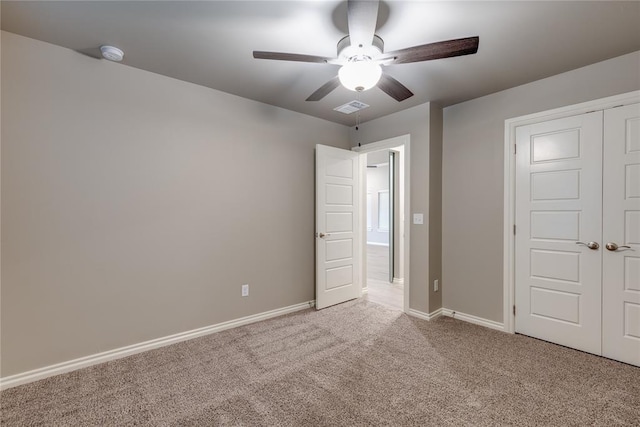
(577, 244)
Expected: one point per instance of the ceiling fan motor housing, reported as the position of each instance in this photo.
(347, 52)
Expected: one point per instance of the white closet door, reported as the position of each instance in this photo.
(559, 203)
(621, 227)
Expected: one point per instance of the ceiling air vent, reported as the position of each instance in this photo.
(351, 107)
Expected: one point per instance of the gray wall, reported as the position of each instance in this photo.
(134, 206)
(416, 122)
(473, 175)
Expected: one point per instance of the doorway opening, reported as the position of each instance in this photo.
(385, 207)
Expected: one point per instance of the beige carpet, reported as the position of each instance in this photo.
(351, 365)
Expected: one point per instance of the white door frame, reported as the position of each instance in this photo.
(403, 140)
(510, 126)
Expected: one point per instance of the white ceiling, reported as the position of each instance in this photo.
(211, 43)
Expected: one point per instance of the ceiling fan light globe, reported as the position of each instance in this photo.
(359, 76)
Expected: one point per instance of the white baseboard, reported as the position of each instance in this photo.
(473, 319)
(365, 291)
(423, 315)
(457, 315)
(397, 281)
(377, 244)
(94, 359)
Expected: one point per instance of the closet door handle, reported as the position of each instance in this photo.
(591, 245)
(614, 246)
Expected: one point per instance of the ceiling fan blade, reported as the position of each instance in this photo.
(394, 88)
(438, 50)
(324, 90)
(280, 56)
(362, 17)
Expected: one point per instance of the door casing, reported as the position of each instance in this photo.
(403, 140)
(510, 126)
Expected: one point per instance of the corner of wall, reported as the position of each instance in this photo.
(435, 206)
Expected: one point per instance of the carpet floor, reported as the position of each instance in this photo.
(355, 364)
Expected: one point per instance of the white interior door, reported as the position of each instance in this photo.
(337, 225)
(558, 204)
(621, 227)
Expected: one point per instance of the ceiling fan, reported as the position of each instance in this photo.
(361, 55)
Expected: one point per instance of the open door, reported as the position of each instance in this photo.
(337, 225)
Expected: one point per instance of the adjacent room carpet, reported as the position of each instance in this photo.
(355, 364)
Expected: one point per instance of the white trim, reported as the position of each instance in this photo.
(473, 319)
(365, 290)
(377, 244)
(510, 126)
(404, 140)
(423, 315)
(397, 281)
(94, 359)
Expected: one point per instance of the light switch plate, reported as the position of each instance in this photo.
(418, 218)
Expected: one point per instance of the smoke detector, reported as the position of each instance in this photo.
(112, 53)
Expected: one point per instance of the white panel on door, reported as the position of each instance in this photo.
(631, 274)
(555, 265)
(555, 305)
(340, 276)
(632, 135)
(555, 225)
(339, 168)
(339, 194)
(555, 146)
(632, 228)
(339, 249)
(632, 320)
(632, 182)
(555, 185)
(339, 221)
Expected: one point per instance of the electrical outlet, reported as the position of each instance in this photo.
(436, 285)
(245, 290)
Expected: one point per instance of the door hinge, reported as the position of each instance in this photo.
(514, 229)
(515, 149)
(514, 309)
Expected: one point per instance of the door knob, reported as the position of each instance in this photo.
(323, 235)
(614, 246)
(590, 245)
